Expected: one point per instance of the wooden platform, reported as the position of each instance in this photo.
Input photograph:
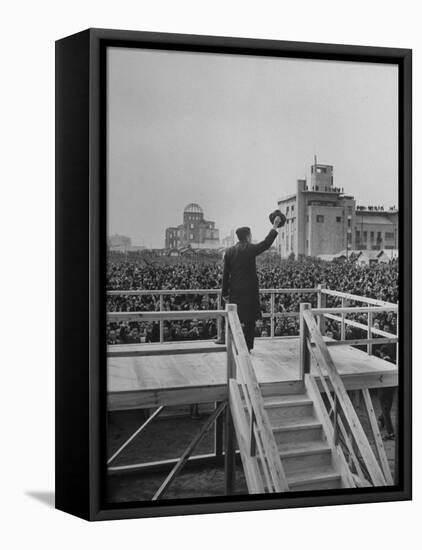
(181, 376)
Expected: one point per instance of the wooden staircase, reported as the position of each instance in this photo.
(296, 442)
(309, 459)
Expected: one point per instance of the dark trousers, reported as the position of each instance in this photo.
(249, 333)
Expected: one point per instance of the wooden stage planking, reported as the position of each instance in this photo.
(181, 376)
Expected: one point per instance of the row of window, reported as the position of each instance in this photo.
(388, 236)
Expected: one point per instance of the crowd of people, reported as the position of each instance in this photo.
(378, 281)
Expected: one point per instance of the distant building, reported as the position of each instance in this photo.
(119, 243)
(229, 240)
(321, 219)
(376, 228)
(195, 231)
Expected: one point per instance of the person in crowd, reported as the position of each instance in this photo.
(379, 282)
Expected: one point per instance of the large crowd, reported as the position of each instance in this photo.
(379, 282)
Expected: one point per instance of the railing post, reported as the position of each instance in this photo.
(218, 432)
(272, 308)
(370, 320)
(335, 419)
(219, 320)
(161, 320)
(305, 360)
(322, 302)
(230, 451)
(343, 324)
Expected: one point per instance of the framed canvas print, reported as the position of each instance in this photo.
(233, 274)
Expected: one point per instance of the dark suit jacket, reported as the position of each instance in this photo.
(240, 281)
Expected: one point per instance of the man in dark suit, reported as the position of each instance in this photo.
(240, 280)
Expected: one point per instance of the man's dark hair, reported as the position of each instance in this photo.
(243, 233)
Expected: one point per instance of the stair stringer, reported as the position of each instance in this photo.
(338, 459)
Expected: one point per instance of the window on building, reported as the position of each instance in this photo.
(371, 235)
(192, 226)
(307, 244)
(293, 207)
(338, 219)
(357, 235)
(191, 236)
(349, 223)
(365, 235)
(287, 210)
(307, 219)
(320, 218)
(389, 236)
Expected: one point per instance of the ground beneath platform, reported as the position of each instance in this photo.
(167, 438)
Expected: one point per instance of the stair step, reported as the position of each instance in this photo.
(280, 409)
(300, 447)
(303, 429)
(293, 423)
(307, 457)
(324, 477)
(290, 399)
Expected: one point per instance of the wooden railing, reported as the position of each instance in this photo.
(346, 427)
(248, 418)
(272, 314)
(339, 314)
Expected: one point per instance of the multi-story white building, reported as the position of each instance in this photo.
(322, 219)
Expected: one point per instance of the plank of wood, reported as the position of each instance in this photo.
(167, 315)
(337, 454)
(313, 382)
(166, 348)
(244, 362)
(360, 325)
(250, 464)
(356, 309)
(186, 454)
(356, 298)
(377, 436)
(355, 426)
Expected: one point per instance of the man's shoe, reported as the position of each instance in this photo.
(220, 341)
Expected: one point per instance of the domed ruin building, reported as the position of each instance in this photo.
(195, 231)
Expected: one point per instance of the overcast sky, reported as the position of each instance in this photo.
(234, 133)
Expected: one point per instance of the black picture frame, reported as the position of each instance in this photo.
(80, 273)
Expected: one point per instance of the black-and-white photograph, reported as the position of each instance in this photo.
(252, 275)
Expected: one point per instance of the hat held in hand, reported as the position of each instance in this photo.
(274, 215)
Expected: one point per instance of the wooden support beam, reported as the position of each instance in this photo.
(230, 438)
(322, 303)
(351, 417)
(218, 433)
(135, 434)
(190, 448)
(377, 436)
(304, 357)
(208, 460)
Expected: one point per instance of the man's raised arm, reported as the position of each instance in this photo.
(269, 239)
